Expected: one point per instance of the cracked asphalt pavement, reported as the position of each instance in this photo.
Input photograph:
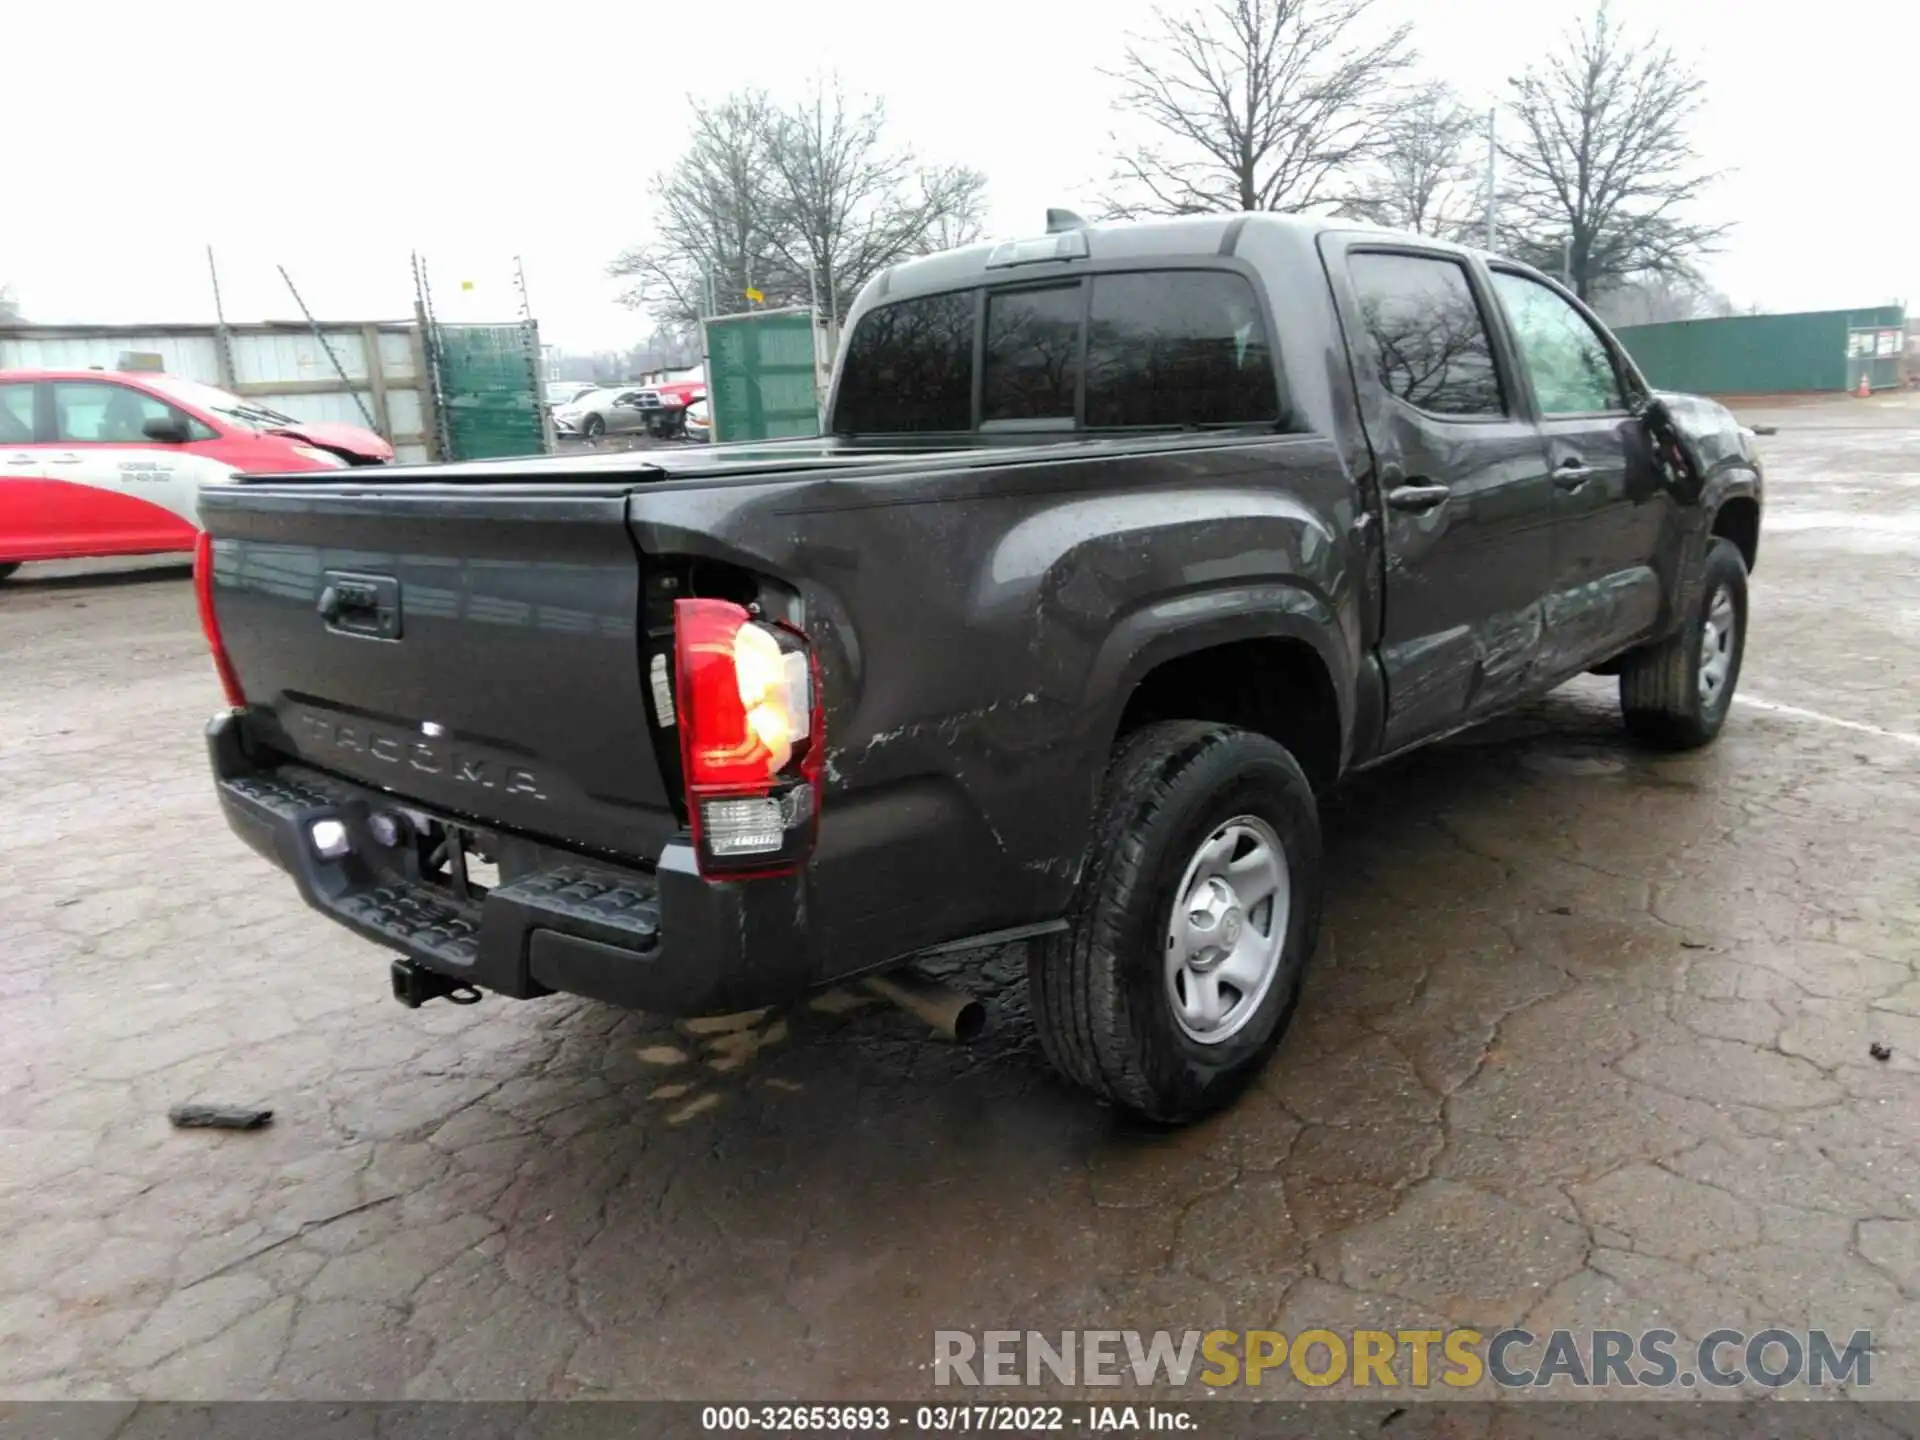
(1587, 1044)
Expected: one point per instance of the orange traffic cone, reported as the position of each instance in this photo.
(1865, 392)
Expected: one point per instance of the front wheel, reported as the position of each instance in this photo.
(7, 567)
(1676, 694)
(593, 427)
(1192, 927)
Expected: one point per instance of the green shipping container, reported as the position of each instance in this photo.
(1772, 354)
(488, 391)
(762, 383)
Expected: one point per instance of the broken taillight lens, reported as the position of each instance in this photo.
(210, 622)
(750, 743)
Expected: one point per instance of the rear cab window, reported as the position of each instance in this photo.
(909, 369)
(1111, 351)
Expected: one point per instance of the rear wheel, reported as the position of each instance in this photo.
(1676, 694)
(7, 567)
(1185, 947)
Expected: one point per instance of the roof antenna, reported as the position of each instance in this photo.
(1059, 220)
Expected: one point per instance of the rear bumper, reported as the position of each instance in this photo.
(661, 940)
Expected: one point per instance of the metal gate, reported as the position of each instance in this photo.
(486, 380)
(763, 374)
(489, 406)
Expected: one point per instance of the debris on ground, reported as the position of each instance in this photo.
(1880, 1052)
(219, 1117)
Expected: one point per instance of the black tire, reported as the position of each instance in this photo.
(1099, 990)
(1660, 688)
(593, 427)
(7, 567)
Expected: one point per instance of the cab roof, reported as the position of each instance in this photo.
(1120, 241)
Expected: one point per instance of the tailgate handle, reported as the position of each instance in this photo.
(363, 605)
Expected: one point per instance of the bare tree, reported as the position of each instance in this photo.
(1604, 174)
(1423, 177)
(1659, 299)
(1258, 105)
(765, 195)
(714, 219)
(848, 205)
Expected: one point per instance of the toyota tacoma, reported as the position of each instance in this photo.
(1120, 544)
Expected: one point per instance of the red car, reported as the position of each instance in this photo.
(102, 463)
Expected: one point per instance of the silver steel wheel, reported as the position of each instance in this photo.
(1228, 929)
(1717, 638)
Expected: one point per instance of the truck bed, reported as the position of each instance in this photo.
(977, 617)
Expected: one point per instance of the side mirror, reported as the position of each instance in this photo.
(1674, 452)
(167, 429)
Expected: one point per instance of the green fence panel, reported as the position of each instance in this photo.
(488, 391)
(1767, 354)
(761, 377)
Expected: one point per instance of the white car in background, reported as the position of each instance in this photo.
(565, 392)
(699, 422)
(602, 412)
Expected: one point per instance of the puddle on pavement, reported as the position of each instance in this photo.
(1786, 521)
(1549, 762)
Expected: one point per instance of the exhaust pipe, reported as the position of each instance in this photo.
(951, 1014)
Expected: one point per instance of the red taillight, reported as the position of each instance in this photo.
(210, 623)
(750, 740)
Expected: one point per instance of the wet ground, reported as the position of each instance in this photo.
(1587, 1044)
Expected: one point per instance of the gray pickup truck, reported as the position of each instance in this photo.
(1123, 542)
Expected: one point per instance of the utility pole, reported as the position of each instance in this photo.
(1493, 158)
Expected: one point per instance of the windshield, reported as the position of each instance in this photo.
(250, 413)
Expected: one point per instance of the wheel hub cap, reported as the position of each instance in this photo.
(1717, 637)
(1227, 934)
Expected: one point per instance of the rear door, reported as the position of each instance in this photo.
(1609, 506)
(1463, 475)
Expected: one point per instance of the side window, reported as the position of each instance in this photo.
(92, 411)
(16, 413)
(1032, 354)
(1572, 371)
(909, 367)
(1178, 348)
(1429, 341)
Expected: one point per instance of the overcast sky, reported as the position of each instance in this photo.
(335, 138)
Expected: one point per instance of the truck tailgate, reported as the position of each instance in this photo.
(479, 653)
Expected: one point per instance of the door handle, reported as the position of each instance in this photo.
(1571, 474)
(20, 459)
(65, 457)
(1418, 497)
